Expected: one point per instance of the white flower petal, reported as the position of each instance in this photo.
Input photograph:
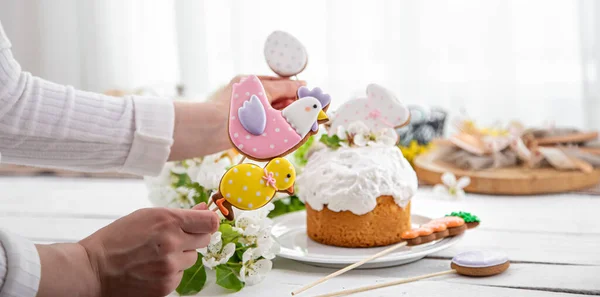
(360, 140)
(341, 133)
(358, 127)
(227, 252)
(374, 143)
(386, 141)
(460, 194)
(463, 182)
(210, 262)
(257, 272)
(272, 251)
(215, 245)
(243, 273)
(178, 169)
(247, 255)
(449, 179)
(202, 251)
(440, 189)
(247, 225)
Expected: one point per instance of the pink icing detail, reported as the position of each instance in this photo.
(374, 113)
(254, 87)
(393, 112)
(270, 179)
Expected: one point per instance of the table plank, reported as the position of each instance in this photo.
(53, 229)
(566, 213)
(567, 278)
(282, 285)
(562, 248)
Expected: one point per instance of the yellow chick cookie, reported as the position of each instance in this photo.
(248, 186)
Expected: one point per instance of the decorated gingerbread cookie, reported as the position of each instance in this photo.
(261, 132)
(472, 221)
(248, 186)
(419, 235)
(480, 263)
(285, 55)
(448, 226)
(380, 110)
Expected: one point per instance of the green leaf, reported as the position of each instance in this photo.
(239, 252)
(228, 234)
(302, 151)
(236, 267)
(182, 180)
(202, 194)
(227, 279)
(281, 208)
(286, 205)
(332, 142)
(193, 279)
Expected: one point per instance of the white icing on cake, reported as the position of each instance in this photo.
(353, 178)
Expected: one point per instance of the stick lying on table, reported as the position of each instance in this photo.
(471, 263)
(393, 283)
(350, 267)
(436, 229)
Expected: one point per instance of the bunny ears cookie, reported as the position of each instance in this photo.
(379, 110)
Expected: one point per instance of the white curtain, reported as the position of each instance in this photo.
(496, 60)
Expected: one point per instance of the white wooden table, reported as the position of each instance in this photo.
(552, 241)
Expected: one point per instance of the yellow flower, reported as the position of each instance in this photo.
(413, 150)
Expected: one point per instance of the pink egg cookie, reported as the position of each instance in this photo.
(380, 110)
(285, 55)
(261, 132)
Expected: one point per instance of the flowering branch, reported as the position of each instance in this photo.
(240, 252)
(359, 135)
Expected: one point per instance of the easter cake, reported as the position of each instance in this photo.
(358, 189)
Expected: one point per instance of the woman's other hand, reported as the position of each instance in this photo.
(145, 253)
(201, 127)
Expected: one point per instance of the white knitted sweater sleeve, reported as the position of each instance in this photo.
(54, 126)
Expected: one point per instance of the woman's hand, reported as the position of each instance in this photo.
(142, 254)
(280, 91)
(201, 128)
(145, 253)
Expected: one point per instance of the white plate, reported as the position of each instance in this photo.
(290, 231)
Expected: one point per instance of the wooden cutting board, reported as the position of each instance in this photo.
(507, 181)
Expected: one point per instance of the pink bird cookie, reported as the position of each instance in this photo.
(381, 109)
(261, 132)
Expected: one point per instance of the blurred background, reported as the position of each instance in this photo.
(497, 60)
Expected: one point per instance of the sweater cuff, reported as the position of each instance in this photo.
(153, 137)
(4, 41)
(23, 269)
